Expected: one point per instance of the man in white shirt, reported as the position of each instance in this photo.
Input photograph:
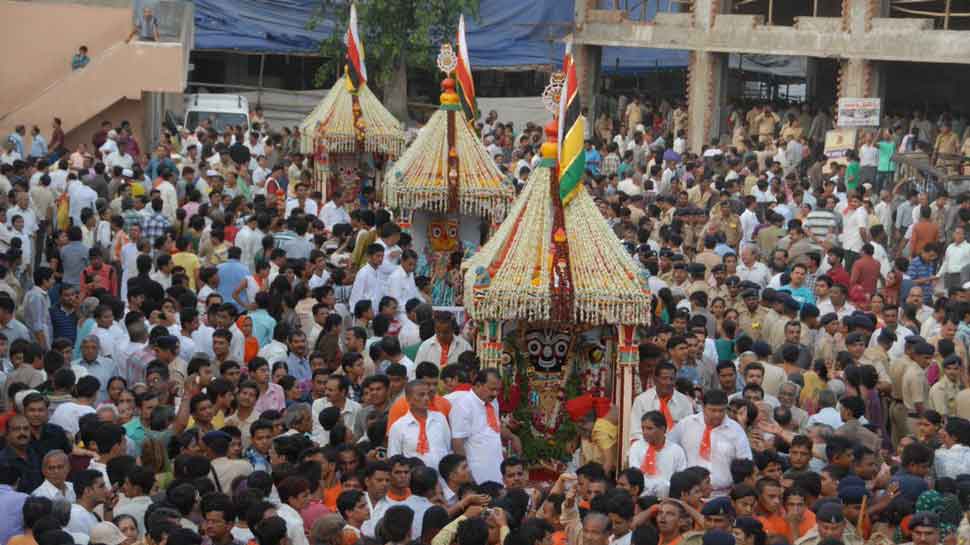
(656, 457)
(170, 197)
(476, 429)
(368, 283)
(420, 433)
(260, 173)
(309, 206)
(390, 235)
(750, 268)
(400, 284)
(80, 196)
(335, 395)
(444, 347)
(674, 405)
(856, 231)
(712, 441)
(749, 221)
(334, 212)
(55, 468)
(294, 496)
(92, 491)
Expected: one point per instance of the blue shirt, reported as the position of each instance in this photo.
(103, 369)
(593, 160)
(11, 513)
(63, 323)
(263, 326)
(18, 143)
(801, 294)
(299, 368)
(920, 269)
(38, 147)
(231, 274)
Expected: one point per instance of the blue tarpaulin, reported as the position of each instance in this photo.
(508, 34)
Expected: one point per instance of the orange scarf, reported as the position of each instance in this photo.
(705, 451)
(443, 361)
(422, 447)
(665, 409)
(251, 346)
(674, 541)
(649, 465)
(492, 418)
(392, 496)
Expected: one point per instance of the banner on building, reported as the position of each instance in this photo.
(859, 112)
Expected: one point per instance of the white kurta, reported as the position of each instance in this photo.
(367, 285)
(728, 442)
(483, 445)
(430, 350)
(670, 459)
(402, 438)
(680, 407)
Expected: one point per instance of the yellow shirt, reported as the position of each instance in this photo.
(190, 262)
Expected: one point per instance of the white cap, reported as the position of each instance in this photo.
(210, 173)
(127, 173)
(18, 399)
(107, 533)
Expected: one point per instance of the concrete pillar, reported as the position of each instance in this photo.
(705, 91)
(589, 60)
(856, 80)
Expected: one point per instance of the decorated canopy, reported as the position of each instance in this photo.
(351, 121)
(528, 268)
(447, 168)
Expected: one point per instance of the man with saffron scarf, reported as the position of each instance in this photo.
(656, 457)
(674, 405)
(712, 441)
(420, 433)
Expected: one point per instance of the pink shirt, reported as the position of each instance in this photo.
(273, 400)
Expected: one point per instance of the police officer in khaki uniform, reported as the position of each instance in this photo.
(724, 220)
(897, 410)
(830, 523)
(719, 289)
(943, 394)
(878, 357)
(697, 283)
(751, 315)
(789, 312)
(829, 340)
(915, 386)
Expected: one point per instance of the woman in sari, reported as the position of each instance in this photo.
(86, 323)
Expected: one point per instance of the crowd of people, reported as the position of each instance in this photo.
(198, 348)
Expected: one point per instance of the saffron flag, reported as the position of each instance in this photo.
(355, 51)
(572, 130)
(463, 75)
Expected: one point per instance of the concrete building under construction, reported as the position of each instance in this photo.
(911, 53)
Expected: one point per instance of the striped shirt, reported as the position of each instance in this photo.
(822, 222)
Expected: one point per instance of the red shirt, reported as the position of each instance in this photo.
(865, 272)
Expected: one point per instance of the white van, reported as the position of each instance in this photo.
(221, 110)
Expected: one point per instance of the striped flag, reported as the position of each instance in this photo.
(572, 130)
(355, 51)
(463, 75)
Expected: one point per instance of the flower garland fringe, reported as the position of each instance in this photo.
(508, 279)
(419, 179)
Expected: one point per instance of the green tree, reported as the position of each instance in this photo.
(397, 34)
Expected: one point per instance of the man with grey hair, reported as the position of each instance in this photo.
(92, 363)
(55, 467)
(788, 397)
(827, 413)
(297, 419)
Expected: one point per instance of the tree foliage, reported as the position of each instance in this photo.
(394, 32)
